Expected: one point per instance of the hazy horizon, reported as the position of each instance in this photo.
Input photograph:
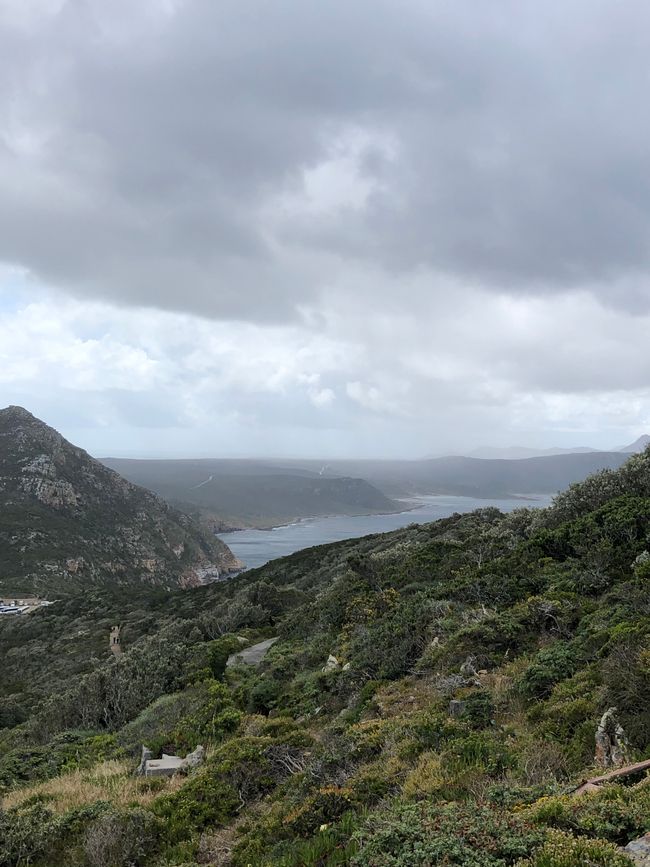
(325, 230)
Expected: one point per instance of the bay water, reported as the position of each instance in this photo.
(256, 547)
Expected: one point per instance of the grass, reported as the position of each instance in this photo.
(109, 781)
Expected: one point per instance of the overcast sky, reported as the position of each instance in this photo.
(342, 228)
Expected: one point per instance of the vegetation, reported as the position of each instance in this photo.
(532, 624)
(67, 522)
(229, 494)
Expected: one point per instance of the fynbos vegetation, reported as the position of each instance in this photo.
(433, 698)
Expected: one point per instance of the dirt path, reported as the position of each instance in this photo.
(251, 655)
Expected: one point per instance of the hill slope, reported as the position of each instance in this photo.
(253, 493)
(433, 700)
(67, 521)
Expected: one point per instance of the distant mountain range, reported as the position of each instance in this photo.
(639, 445)
(67, 521)
(523, 452)
(240, 493)
(475, 477)
(517, 453)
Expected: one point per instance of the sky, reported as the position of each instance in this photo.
(341, 229)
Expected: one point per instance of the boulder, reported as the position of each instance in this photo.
(611, 743)
(144, 758)
(166, 766)
(639, 851)
(194, 759)
(468, 668)
(332, 663)
(457, 708)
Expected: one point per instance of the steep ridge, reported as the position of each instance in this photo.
(67, 521)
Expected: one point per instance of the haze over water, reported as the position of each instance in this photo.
(257, 547)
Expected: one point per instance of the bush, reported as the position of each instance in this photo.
(34, 834)
(204, 800)
(264, 695)
(426, 777)
(479, 709)
(550, 666)
(325, 806)
(563, 850)
(617, 814)
(218, 652)
(471, 836)
(120, 839)
(483, 751)
(67, 751)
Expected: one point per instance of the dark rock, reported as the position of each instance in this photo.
(457, 708)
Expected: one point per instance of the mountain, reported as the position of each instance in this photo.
(638, 445)
(436, 695)
(67, 521)
(266, 493)
(519, 452)
(240, 493)
(472, 477)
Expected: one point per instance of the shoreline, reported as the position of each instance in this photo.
(417, 502)
(306, 518)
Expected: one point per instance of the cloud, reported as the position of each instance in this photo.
(233, 161)
(363, 383)
(341, 227)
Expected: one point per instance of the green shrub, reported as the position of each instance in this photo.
(550, 666)
(264, 695)
(563, 850)
(479, 709)
(211, 718)
(120, 839)
(324, 806)
(67, 751)
(422, 834)
(218, 652)
(204, 800)
(32, 834)
(617, 814)
(484, 751)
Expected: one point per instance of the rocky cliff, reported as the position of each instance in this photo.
(67, 520)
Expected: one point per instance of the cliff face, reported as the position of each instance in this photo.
(66, 520)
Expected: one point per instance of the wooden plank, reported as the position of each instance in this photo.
(592, 785)
(621, 772)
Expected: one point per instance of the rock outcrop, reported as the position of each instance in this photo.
(166, 765)
(66, 520)
(611, 744)
(639, 851)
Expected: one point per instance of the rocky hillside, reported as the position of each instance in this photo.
(67, 521)
(467, 693)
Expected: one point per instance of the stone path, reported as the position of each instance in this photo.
(251, 655)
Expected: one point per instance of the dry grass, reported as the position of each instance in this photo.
(110, 781)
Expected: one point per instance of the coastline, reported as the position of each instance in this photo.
(416, 502)
(257, 546)
(294, 522)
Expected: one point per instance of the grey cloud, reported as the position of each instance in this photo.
(140, 160)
